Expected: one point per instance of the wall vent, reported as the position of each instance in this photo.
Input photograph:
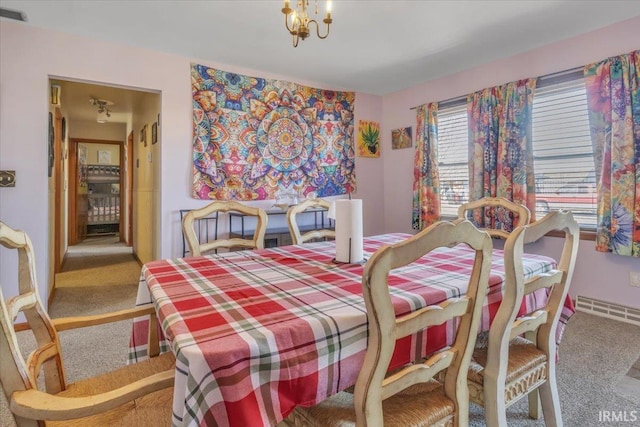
(13, 14)
(608, 309)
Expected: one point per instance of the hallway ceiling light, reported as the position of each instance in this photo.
(103, 112)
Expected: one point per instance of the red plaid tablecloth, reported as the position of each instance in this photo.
(257, 333)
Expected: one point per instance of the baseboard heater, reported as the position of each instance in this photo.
(608, 309)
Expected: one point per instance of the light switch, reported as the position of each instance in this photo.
(7, 178)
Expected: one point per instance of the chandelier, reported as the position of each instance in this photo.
(300, 25)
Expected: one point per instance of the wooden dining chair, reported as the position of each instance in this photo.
(411, 396)
(197, 248)
(498, 206)
(135, 395)
(512, 366)
(296, 236)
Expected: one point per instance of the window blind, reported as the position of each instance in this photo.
(453, 158)
(563, 155)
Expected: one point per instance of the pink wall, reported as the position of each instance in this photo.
(601, 276)
(30, 56)
(369, 171)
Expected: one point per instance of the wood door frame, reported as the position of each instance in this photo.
(72, 236)
(58, 168)
(73, 183)
(129, 174)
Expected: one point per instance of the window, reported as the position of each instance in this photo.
(562, 151)
(563, 156)
(453, 158)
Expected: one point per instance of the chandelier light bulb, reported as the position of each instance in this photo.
(298, 21)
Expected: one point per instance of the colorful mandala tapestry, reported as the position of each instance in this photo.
(254, 137)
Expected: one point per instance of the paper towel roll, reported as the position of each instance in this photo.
(349, 246)
(331, 213)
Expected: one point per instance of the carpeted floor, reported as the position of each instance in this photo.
(99, 261)
(598, 360)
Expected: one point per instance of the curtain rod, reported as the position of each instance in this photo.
(543, 81)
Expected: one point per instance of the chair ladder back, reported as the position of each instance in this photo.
(559, 280)
(47, 356)
(29, 405)
(384, 328)
(538, 326)
(196, 248)
(495, 370)
(417, 373)
(495, 204)
(296, 236)
(529, 322)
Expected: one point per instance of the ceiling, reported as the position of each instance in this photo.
(375, 47)
(75, 98)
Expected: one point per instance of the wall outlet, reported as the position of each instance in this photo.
(634, 279)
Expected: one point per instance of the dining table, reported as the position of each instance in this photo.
(258, 332)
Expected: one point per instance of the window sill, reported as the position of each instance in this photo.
(585, 233)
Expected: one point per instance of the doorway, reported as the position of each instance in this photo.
(95, 190)
(98, 190)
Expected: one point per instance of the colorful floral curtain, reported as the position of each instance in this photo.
(426, 184)
(613, 94)
(500, 149)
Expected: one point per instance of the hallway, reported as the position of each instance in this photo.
(99, 261)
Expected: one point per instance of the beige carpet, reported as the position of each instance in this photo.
(101, 261)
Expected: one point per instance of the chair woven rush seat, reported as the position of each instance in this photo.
(526, 370)
(156, 406)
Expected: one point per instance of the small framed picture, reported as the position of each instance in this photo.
(154, 133)
(143, 135)
(51, 147)
(104, 157)
(401, 138)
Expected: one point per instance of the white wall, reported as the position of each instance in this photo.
(146, 180)
(598, 275)
(30, 56)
